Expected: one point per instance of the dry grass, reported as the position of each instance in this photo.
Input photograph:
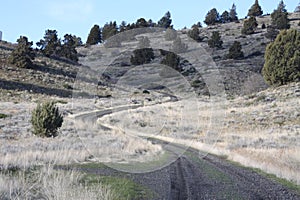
(48, 183)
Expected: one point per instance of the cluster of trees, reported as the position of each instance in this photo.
(98, 35)
(213, 17)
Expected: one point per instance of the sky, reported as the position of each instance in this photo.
(31, 18)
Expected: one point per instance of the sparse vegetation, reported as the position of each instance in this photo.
(195, 34)
(282, 59)
(46, 120)
(171, 60)
(2, 116)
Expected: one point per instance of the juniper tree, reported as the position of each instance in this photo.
(225, 17)
(215, 41)
(235, 51)
(249, 26)
(50, 45)
(233, 13)
(255, 10)
(94, 35)
(23, 55)
(282, 59)
(212, 17)
(165, 21)
(280, 17)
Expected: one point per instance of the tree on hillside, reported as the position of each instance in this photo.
(212, 17)
(23, 55)
(215, 40)
(142, 56)
(51, 45)
(171, 59)
(255, 10)
(123, 26)
(109, 29)
(194, 34)
(233, 13)
(69, 48)
(225, 18)
(280, 17)
(94, 36)
(141, 23)
(165, 21)
(297, 9)
(235, 51)
(282, 59)
(249, 26)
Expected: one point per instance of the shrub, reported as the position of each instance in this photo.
(249, 26)
(142, 56)
(170, 34)
(215, 40)
(171, 60)
(46, 120)
(235, 51)
(282, 59)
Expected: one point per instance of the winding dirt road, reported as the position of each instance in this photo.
(197, 176)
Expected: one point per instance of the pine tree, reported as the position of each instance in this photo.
(235, 51)
(212, 17)
(233, 13)
(282, 59)
(94, 36)
(23, 55)
(109, 29)
(249, 26)
(225, 17)
(51, 45)
(215, 41)
(297, 9)
(255, 10)
(69, 48)
(165, 21)
(280, 17)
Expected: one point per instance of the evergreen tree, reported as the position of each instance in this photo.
(23, 55)
(194, 34)
(233, 13)
(255, 10)
(109, 29)
(297, 9)
(142, 56)
(69, 48)
(51, 45)
(215, 41)
(123, 26)
(94, 36)
(235, 51)
(165, 21)
(282, 59)
(280, 17)
(212, 17)
(141, 23)
(225, 18)
(171, 59)
(249, 26)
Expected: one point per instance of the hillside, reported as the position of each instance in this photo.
(114, 111)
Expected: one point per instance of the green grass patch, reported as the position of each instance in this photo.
(123, 187)
(2, 116)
